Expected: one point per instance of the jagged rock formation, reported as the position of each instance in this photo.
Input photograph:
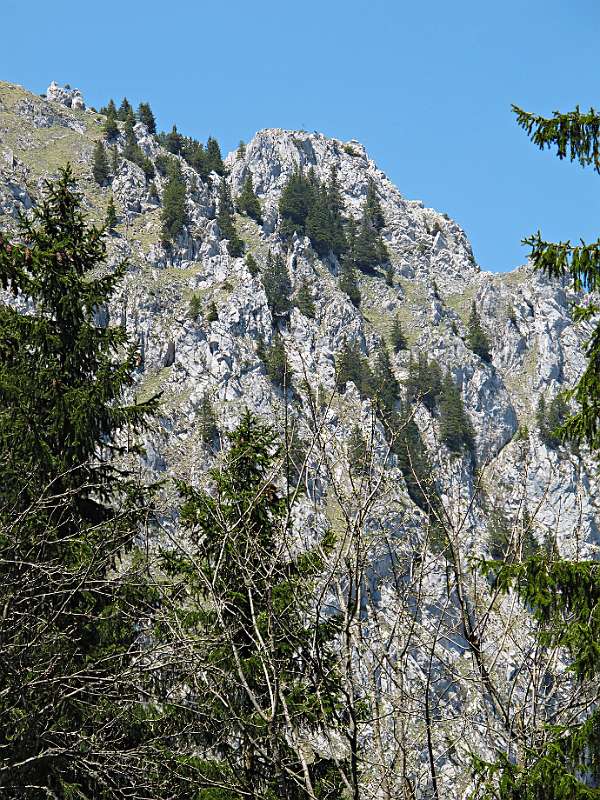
(536, 350)
(66, 96)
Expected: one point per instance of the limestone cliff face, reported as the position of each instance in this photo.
(536, 350)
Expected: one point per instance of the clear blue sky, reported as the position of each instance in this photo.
(426, 86)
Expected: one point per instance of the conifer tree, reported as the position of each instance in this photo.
(100, 164)
(247, 202)
(551, 419)
(385, 389)
(276, 361)
(564, 595)
(114, 161)
(413, 461)
(348, 282)
(174, 215)
(277, 285)
(372, 208)
(369, 250)
(304, 301)
(214, 161)
(477, 339)
(424, 382)
(146, 116)
(110, 129)
(263, 665)
(206, 424)
(125, 111)
(71, 721)
(173, 141)
(241, 149)
(251, 265)
(109, 110)
(335, 204)
(295, 203)
(456, 430)
(194, 307)
(111, 215)
(389, 275)
(318, 222)
(397, 337)
(212, 314)
(226, 223)
(133, 152)
(349, 366)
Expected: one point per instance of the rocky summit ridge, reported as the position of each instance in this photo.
(536, 351)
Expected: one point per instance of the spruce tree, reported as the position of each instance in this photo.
(349, 366)
(214, 161)
(304, 301)
(125, 110)
(295, 203)
(335, 204)
(456, 430)
(109, 110)
(385, 389)
(247, 202)
(111, 215)
(397, 337)
(372, 208)
(173, 141)
(71, 720)
(276, 361)
(206, 422)
(318, 225)
(477, 339)
(369, 250)
(277, 285)
(146, 116)
(100, 164)
(414, 463)
(194, 307)
(174, 215)
(348, 282)
(424, 382)
(263, 664)
(110, 128)
(212, 314)
(251, 265)
(114, 161)
(133, 152)
(563, 595)
(226, 223)
(551, 419)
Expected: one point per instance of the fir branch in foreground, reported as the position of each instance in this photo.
(575, 134)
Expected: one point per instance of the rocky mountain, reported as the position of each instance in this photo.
(463, 658)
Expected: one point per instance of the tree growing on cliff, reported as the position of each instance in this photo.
(100, 169)
(247, 202)
(174, 215)
(477, 339)
(226, 222)
(277, 284)
(146, 116)
(456, 430)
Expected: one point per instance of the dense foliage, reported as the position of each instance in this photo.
(71, 722)
(174, 214)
